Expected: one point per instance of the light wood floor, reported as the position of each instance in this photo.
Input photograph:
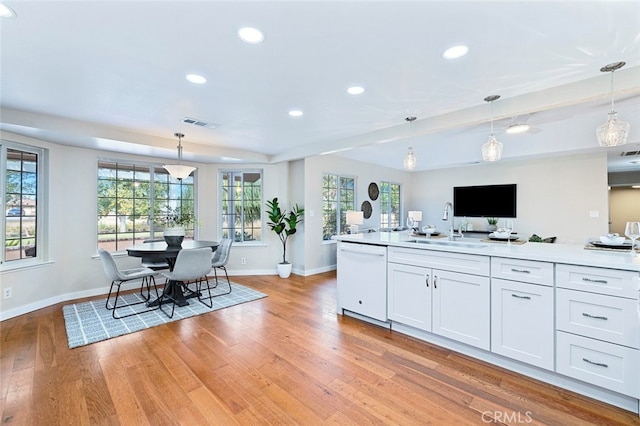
(284, 359)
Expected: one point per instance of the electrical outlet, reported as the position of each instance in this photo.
(243, 260)
(7, 293)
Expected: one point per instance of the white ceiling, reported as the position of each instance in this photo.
(111, 75)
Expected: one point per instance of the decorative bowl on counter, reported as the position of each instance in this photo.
(501, 234)
(429, 230)
(612, 239)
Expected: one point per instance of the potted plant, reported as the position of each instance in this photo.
(493, 224)
(284, 225)
(174, 221)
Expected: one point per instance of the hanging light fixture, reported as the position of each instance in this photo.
(179, 171)
(613, 132)
(492, 150)
(410, 160)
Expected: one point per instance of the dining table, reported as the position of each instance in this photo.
(159, 250)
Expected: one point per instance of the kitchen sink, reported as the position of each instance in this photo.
(465, 244)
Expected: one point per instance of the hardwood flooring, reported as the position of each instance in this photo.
(284, 359)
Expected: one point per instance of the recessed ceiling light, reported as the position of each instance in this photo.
(6, 11)
(517, 128)
(455, 52)
(251, 35)
(195, 78)
(296, 113)
(355, 90)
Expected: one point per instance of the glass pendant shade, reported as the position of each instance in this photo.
(614, 132)
(179, 171)
(492, 150)
(410, 160)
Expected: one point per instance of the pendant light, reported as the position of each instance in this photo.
(410, 160)
(492, 150)
(613, 132)
(179, 171)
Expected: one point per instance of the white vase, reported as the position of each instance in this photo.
(173, 236)
(284, 270)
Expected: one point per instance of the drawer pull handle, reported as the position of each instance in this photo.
(521, 297)
(524, 271)
(599, 364)
(584, 314)
(427, 281)
(591, 280)
(435, 281)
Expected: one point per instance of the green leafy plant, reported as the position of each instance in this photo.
(175, 217)
(282, 223)
(492, 220)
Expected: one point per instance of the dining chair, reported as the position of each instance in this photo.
(118, 277)
(219, 261)
(155, 264)
(191, 265)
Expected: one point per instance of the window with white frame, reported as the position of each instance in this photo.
(136, 201)
(389, 205)
(241, 205)
(338, 197)
(22, 174)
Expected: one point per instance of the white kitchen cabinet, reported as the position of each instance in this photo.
(461, 307)
(362, 279)
(522, 322)
(409, 295)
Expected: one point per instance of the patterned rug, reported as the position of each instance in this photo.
(91, 322)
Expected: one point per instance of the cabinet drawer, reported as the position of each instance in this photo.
(529, 271)
(457, 262)
(608, 318)
(603, 364)
(598, 280)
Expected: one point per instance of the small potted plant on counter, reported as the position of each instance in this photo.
(493, 224)
(284, 225)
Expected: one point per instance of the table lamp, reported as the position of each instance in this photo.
(415, 216)
(353, 220)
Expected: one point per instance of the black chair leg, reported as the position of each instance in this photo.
(145, 281)
(228, 281)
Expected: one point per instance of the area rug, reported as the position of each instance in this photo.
(90, 322)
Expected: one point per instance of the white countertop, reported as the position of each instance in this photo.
(548, 252)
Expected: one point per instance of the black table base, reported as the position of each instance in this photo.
(173, 291)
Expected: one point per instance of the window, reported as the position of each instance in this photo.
(134, 201)
(338, 196)
(389, 205)
(241, 200)
(21, 174)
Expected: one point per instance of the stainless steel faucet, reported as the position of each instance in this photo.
(448, 206)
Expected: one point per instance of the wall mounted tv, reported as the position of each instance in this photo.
(485, 201)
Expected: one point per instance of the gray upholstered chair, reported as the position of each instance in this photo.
(219, 261)
(118, 277)
(191, 265)
(155, 264)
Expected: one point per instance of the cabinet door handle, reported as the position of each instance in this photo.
(427, 280)
(524, 271)
(435, 281)
(599, 364)
(521, 297)
(584, 314)
(591, 280)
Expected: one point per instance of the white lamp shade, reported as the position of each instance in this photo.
(355, 218)
(178, 171)
(416, 215)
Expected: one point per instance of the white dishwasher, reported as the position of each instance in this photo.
(362, 279)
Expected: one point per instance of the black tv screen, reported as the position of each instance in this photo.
(485, 201)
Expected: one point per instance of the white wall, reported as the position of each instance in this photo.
(321, 255)
(555, 195)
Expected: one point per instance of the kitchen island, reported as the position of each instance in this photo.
(559, 313)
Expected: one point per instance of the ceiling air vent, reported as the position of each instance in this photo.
(200, 123)
(629, 153)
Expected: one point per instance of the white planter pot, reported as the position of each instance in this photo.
(174, 236)
(284, 270)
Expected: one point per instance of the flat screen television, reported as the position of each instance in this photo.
(485, 201)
